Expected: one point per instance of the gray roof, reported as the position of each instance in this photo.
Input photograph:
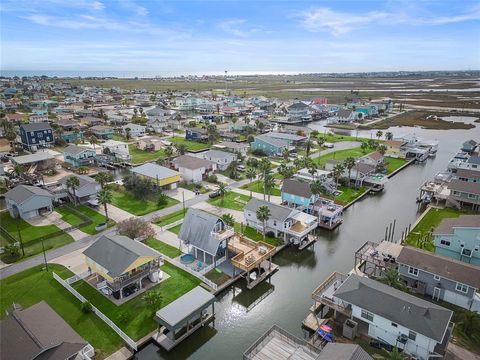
(464, 186)
(339, 351)
(202, 131)
(83, 180)
(421, 316)
(471, 142)
(277, 212)
(296, 187)
(467, 173)
(298, 106)
(75, 149)
(275, 142)
(284, 136)
(116, 253)
(22, 193)
(474, 160)
(191, 162)
(180, 310)
(36, 126)
(154, 171)
(38, 333)
(448, 225)
(217, 154)
(344, 113)
(196, 230)
(32, 158)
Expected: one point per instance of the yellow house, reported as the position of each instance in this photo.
(394, 148)
(120, 263)
(160, 175)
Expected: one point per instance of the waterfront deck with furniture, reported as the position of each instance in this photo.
(329, 213)
(375, 259)
(323, 294)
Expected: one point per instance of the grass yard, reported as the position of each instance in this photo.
(230, 201)
(32, 286)
(257, 186)
(193, 187)
(170, 218)
(126, 201)
(340, 155)
(254, 235)
(69, 216)
(348, 194)
(96, 218)
(176, 229)
(134, 317)
(140, 156)
(217, 276)
(165, 249)
(191, 145)
(394, 164)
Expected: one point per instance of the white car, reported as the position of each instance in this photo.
(328, 145)
(241, 168)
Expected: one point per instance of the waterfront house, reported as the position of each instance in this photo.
(85, 192)
(193, 169)
(374, 159)
(418, 327)
(221, 158)
(122, 266)
(79, 155)
(467, 175)
(440, 277)
(136, 130)
(291, 139)
(38, 161)
(394, 148)
(469, 146)
(118, 149)
(299, 113)
(236, 147)
(291, 224)
(161, 176)
(26, 202)
(151, 143)
(269, 146)
(38, 332)
(36, 136)
(459, 238)
(471, 163)
(464, 194)
(38, 118)
(297, 194)
(102, 132)
(72, 136)
(157, 119)
(344, 116)
(196, 134)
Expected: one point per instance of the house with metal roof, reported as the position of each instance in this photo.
(221, 158)
(79, 155)
(270, 146)
(121, 266)
(464, 194)
(299, 112)
(36, 136)
(40, 160)
(26, 202)
(161, 176)
(193, 169)
(469, 146)
(118, 149)
(85, 192)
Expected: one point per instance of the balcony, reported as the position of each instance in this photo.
(300, 229)
(324, 293)
(223, 234)
(128, 279)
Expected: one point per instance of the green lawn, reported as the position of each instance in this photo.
(217, 276)
(333, 138)
(140, 156)
(254, 235)
(69, 216)
(230, 201)
(96, 218)
(32, 286)
(126, 201)
(165, 249)
(133, 317)
(193, 187)
(339, 155)
(175, 229)
(348, 194)
(170, 218)
(394, 164)
(191, 145)
(257, 186)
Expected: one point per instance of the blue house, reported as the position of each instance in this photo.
(79, 155)
(102, 132)
(36, 136)
(270, 146)
(71, 136)
(297, 193)
(196, 134)
(459, 238)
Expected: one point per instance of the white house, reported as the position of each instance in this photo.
(136, 130)
(221, 158)
(193, 169)
(86, 191)
(119, 149)
(344, 116)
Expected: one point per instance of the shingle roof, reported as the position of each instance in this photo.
(116, 253)
(191, 162)
(465, 186)
(275, 142)
(154, 171)
(217, 154)
(448, 225)
(298, 106)
(83, 180)
(339, 351)
(284, 136)
(467, 173)
(21, 193)
(36, 126)
(344, 113)
(474, 160)
(296, 187)
(75, 149)
(375, 156)
(407, 310)
(277, 212)
(196, 230)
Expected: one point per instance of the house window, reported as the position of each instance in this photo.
(445, 242)
(436, 277)
(462, 288)
(367, 315)
(412, 335)
(413, 271)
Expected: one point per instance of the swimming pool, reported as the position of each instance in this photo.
(187, 259)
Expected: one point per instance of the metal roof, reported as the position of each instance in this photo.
(83, 180)
(197, 228)
(21, 193)
(277, 212)
(448, 225)
(75, 149)
(32, 158)
(339, 351)
(191, 162)
(36, 126)
(154, 171)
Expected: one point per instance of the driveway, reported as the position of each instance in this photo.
(55, 218)
(116, 213)
(237, 215)
(166, 236)
(179, 193)
(74, 261)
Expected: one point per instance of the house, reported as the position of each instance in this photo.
(291, 139)
(151, 143)
(207, 236)
(85, 192)
(122, 266)
(344, 116)
(364, 174)
(222, 158)
(163, 177)
(118, 149)
(299, 113)
(269, 146)
(291, 224)
(464, 194)
(37, 118)
(374, 159)
(193, 169)
(421, 328)
(196, 134)
(467, 175)
(157, 119)
(38, 161)
(459, 238)
(38, 332)
(136, 130)
(470, 163)
(297, 193)
(26, 202)
(91, 121)
(236, 147)
(469, 146)
(394, 148)
(442, 278)
(36, 136)
(79, 155)
(102, 132)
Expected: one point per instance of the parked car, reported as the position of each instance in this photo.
(214, 194)
(241, 168)
(328, 145)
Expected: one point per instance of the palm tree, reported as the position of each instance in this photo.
(103, 178)
(316, 187)
(268, 184)
(285, 154)
(308, 146)
(396, 355)
(320, 141)
(228, 219)
(364, 147)
(337, 172)
(468, 321)
(104, 197)
(379, 134)
(372, 144)
(265, 167)
(349, 163)
(222, 190)
(263, 214)
(382, 149)
(127, 133)
(72, 183)
(169, 152)
(181, 148)
(251, 174)
(312, 169)
(389, 135)
(93, 140)
(392, 279)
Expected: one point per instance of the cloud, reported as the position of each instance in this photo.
(132, 6)
(236, 27)
(77, 23)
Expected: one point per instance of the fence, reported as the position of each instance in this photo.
(193, 272)
(66, 285)
(171, 225)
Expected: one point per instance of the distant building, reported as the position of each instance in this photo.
(196, 134)
(270, 146)
(161, 176)
(221, 158)
(102, 132)
(136, 130)
(193, 169)
(298, 113)
(118, 149)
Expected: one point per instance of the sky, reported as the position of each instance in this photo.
(173, 37)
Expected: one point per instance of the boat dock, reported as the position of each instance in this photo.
(311, 239)
(312, 322)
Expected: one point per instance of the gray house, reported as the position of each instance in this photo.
(440, 277)
(85, 192)
(222, 158)
(26, 201)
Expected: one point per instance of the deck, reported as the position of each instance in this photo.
(268, 272)
(311, 239)
(250, 254)
(312, 323)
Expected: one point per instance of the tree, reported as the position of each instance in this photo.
(382, 149)
(321, 141)
(181, 148)
(251, 174)
(169, 150)
(372, 144)
(141, 188)
(364, 147)
(337, 172)
(308, 146)
(228, 219)
(212, 133)
(379, 134)
(265, 167)
(316, 187)
(153, 299)
(392, 279)
(104, 196)
(222, 190)
(468, 321)
(162, 199)
(268, 184)
(389, 135)
(82, 169)
(395, 354)
(127, 133)
(349, 163)
(103, 178)
(73, 183)
(93, 140)
(285, 154)
(263, 214)
(232, 170)
(135, 227)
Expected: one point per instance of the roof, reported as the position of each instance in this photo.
(441, 265)
(83, 180)
(474, 160)
(231, 145)
(116, 253)
(22, 193)
(191, 162)
(36, 126)
(416, 314)
(344, 113)
(448, 225)
(394, 143)
(202, 131)
(154, 171)
(100, 128)
(32, 158)
(465, 186)
(298, 188)
(38, 332)
(277, 212)
(275, 142)
(470, 142)
(298, 106)
(467, 173)
(217, 154)
(375, 156)
(75, 149)
(339, 351)
(178, 311)
(284, 136)
(364, 168)
(196, 230)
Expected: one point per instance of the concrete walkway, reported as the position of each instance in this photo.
(54, 218)
(273, 199)
(237, 215)
(166, 236)
(74, 261)
(116, 214)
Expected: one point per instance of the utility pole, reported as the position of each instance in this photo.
(183, 202)
(20, 239)
(44, 256)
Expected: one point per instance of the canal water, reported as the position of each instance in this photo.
(242, 315)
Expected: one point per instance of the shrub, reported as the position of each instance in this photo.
(259, 152)
(212, 179)
(162, 199)
(86, 307)
(270, 234)
(135, 228)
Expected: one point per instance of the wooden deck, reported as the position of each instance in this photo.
(311, 239)
(277, 347)
(265, 275)
(312, 323)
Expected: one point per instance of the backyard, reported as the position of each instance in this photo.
(165, 249)
(70, 216)
(190, 145)
(340, 155)
(348, 194)
(255, 235)
(394, 164)
(257, 186)
(231, 200)
(141, 156)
